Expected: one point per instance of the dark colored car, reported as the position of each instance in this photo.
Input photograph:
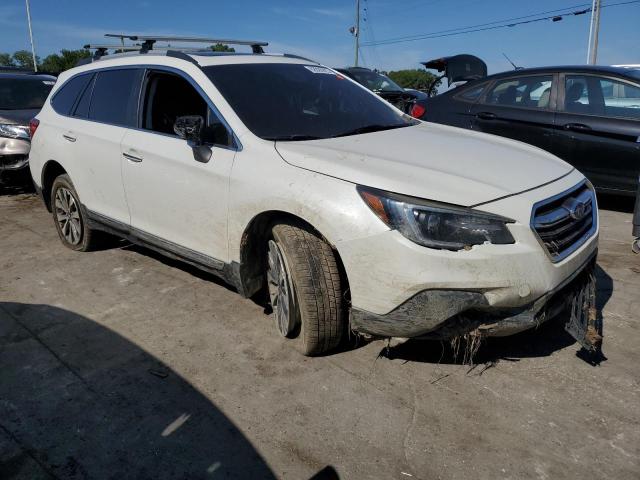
(383, 86)
(587, 115)
(22, 95)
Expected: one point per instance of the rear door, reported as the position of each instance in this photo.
(599, 129)
(454, 108)
(103, 113)
(519, 107)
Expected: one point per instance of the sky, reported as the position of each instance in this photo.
(319, 29)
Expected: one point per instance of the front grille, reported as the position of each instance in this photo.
(564, 222)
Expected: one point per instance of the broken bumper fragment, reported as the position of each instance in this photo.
(444, 314)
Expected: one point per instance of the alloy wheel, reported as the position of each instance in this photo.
(68, 216)
(280, 292)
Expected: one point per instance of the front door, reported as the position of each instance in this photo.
(598, 130)
(519, 107)
(176, 201)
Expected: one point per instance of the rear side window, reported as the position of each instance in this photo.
(115, 97)
(528, 92)
(65, 98)
(472, 94)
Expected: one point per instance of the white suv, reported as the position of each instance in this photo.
(277, 173)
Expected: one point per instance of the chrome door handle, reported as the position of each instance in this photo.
(132, 158)
(69, 138)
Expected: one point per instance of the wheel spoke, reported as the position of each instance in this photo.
(279, 290)
(75, 230)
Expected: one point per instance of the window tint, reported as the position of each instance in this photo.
(577, 98)
(620, 99)
(66, 96)
(115, 97)
(472, 94)
(169, 96)
(290, 102)
(24, 92)
(528, 92)
(82, 108)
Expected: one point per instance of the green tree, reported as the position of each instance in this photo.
(6, 60)
(56, 63)
(221, 47)
(414, 78)
(24, 59)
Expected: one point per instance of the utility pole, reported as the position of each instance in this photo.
(33, 48)
(356, 31)
(594, 30)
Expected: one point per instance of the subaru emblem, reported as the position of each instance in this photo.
(578, 210)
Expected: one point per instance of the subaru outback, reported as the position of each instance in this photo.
(281, 175)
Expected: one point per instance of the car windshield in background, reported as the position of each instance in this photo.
(375, 81)
(279, 101)
(23, 93)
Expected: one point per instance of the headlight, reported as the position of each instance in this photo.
(437, 225)
(14, 131)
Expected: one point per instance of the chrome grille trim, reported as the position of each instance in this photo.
(564, 222)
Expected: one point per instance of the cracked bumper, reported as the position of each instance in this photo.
(447, 313)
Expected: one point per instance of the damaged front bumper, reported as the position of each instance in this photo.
(444, 314)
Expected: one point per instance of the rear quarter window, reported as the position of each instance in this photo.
(65, 98)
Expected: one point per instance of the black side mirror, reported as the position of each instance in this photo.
(190, 128)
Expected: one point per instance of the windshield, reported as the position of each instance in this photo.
(375, 81)
(279, 101)
(23, 93)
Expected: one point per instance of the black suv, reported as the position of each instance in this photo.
(22, 95)
(587, 115)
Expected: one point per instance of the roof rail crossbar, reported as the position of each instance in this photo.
(256, 46)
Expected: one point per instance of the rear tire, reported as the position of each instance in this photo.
(305, 288)
(69, 216)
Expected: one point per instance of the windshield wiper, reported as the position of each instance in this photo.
(371, 128)
(293, 138)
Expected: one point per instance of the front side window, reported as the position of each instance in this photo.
(528, 92)
(620, 99)
(115, 97)
(280, 101)
(24, 93)
(169, 96)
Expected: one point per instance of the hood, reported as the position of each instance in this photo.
(18, 117)
(430, 161)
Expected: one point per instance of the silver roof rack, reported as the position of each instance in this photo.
(148, 41)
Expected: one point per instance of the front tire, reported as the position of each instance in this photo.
(305, 288)
(69, 216)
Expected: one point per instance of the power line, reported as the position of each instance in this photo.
(494, 26)
(420, 35)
